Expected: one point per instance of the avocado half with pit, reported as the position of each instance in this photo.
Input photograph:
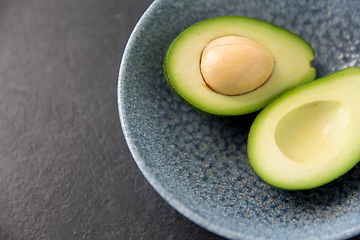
(234, 65)
(310, 135)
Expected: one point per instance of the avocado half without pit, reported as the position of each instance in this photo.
(234, 65)
(309, 136)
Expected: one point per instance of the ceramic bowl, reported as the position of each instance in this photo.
(198, 163)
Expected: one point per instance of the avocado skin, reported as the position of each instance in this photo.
(249, 109)
(261, 118)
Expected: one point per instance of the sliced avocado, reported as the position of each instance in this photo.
(310, 135)
(272, 59)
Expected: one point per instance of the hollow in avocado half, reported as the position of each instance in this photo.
(234, 65)
(310, 135)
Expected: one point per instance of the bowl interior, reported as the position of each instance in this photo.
(198, 163)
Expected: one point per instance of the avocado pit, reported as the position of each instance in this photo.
(233, 65)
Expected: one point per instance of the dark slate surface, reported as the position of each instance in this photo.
(65, 169)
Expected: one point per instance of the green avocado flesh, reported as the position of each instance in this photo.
(292, 55)
(309, 136)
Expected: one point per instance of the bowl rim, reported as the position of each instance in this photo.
(167, 196)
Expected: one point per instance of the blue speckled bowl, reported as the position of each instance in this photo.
(198, 163)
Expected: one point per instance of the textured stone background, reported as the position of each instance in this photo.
(65, 169)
